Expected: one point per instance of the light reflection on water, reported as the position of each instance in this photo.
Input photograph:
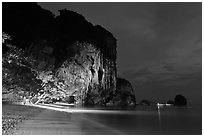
(148, 120)
(159, 118)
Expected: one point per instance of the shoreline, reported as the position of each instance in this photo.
(13, 114)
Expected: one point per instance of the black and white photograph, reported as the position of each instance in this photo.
(101, 68)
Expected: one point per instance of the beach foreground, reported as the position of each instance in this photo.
(141, 121)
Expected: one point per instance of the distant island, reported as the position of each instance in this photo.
(179, 100)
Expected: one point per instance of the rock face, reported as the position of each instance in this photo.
(124, 94)
(88, 74)
(82, 56)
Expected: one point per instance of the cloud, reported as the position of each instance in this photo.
(162, 72)
(165, 80)
(172, 35)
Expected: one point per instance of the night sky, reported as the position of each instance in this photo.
(159, 45)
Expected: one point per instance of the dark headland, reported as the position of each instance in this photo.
(63, 58)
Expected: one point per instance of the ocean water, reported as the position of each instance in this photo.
(147, 120)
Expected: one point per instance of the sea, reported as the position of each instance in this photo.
(150, 120)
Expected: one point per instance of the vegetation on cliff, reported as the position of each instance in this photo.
(58, 57)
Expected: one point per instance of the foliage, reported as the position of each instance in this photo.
(50, 56)
(22, 74)
(17, 75)
(32, 71)
(5, 37)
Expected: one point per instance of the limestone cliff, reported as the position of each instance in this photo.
(88, 74)
(80, 55)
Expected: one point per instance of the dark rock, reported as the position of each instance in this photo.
(124, 95)
(82, 56)
(180, 100)
(26, 22)
(170, 102)
(145, 102)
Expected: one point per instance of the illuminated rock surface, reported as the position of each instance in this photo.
(77, 58)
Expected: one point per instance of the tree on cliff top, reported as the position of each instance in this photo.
(16, 71)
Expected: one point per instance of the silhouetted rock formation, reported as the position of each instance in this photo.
(145, 102)
(170, 102)
(81, 55)
(180, 100)
(124, 94)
